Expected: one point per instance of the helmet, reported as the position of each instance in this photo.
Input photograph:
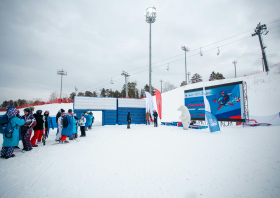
(47, 112)
(32, 107)
(88, 111)
(27, 110)
(39, 111)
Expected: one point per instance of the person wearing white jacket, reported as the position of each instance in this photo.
(59, 126)
(82, 122)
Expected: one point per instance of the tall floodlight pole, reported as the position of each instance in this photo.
(125, 74)
(160, 86)
(186, 50)
(61, 72)
(150, 18)
(234, 62)
(259, 30)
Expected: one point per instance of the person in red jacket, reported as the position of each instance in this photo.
(38, 129)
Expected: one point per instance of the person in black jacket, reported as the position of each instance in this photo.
(128, 120)
(155, 114)
(38, 129)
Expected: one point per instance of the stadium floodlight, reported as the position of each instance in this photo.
(150, 18)
(62, 73)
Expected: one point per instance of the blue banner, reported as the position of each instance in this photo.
(212, 122)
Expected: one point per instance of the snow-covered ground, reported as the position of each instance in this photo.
(156, 162)
(149, 162)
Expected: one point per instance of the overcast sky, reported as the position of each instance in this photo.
(95, 40)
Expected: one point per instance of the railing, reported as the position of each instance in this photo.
(40, 103)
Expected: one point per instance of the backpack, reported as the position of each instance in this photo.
(6, 126)
(65, 122)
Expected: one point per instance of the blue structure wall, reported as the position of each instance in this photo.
(137, 115)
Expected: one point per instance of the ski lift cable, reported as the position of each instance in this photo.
(190, 51)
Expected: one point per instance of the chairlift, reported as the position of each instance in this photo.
(218, 52)
(167, 67)
(112, 82)
(201, 52)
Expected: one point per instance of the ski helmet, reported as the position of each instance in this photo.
(27, 110)
(32, 108)
(39, 112)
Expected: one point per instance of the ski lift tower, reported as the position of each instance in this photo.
(150, 18)
(186, 73)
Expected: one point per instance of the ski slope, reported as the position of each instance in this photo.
(156, 162)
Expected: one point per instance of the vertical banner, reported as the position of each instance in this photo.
(209, 117)
(150, 104)
(159, 102)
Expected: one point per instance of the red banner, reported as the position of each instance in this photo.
(159, 102)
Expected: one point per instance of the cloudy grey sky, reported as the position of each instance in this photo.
(95, 40)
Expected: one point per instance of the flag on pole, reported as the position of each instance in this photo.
(159, 102)
(209, 117)
(150, 105)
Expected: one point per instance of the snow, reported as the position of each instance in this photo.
(156, 162)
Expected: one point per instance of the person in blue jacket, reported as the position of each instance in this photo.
(67, 131)
(87, 121)
(75, 127)
(11, 140)
(48, 123)
(90, 120)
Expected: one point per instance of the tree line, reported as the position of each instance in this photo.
(133, 92)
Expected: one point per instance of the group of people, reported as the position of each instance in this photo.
(148, 118)
(68, 124)
(22, 126)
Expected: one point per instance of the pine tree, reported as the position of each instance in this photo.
(88, 93)
(216, 76)
(72, 95)
(103, 93)
(95, 94)
(147, 89)
(81, 94)
(196, 78)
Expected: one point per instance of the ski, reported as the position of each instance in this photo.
(44, 135)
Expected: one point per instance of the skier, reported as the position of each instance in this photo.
(155, 114)
(82, 125)
(128, 120)
(87, 120)
(59, 127)
(26, 129)
(57, 116)
(90, 120)
(48, 123)
(67, 129)
(38, 129)
(147, 118)
(11, 140)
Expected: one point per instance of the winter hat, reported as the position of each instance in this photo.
(88, 111)
(62, 110)
(32, 107)
(12, 112)
(69, 110)
(39, 111)
(83, 114)
(27, 110)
